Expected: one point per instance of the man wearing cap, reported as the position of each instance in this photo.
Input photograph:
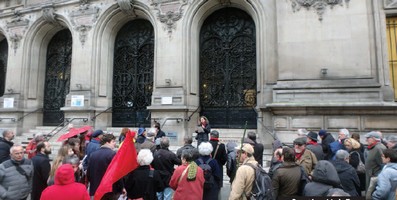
(141, 135)
(245, 175)
(326, 139)
(373, 163)
(92, 146)
(313, 146)
(304, 157)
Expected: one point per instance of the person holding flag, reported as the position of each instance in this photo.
(124, 161)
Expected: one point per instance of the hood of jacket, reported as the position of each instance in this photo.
(64, 175)
(230, 146)
(391, 165)
(341, 165)
(326, 173)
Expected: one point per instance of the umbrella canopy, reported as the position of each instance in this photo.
(74, 131)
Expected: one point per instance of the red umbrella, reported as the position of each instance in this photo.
(74, 131)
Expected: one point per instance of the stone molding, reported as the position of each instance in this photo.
(389, 4)
(84, 18)
(318, 5)
(16, 28)
(49, 15)
(127, 6)
(169, 12)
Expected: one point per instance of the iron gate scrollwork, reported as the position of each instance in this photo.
(133, 74)
(228, 69)
(3, 65)
(57, 80)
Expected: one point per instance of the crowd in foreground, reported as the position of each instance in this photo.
(317, 165)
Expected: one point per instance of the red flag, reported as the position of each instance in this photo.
(122, 163)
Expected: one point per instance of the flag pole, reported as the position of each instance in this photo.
(242, 141)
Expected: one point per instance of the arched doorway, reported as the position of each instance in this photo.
(57, 79)
(133, 74)
(228, 69)
(3, 65)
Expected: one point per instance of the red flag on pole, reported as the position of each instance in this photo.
(122, 163)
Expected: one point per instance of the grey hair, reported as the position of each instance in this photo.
(205, 148)
(188, 139)
(145, 157)
(14, 147)
(73, 160)
(341, 154)
(345, 132)
(164, 142)
(5, 132)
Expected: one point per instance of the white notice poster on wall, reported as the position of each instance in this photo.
(166, 100)
(77, 101)
(8, 103)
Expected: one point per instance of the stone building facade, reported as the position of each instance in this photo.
(280, 65)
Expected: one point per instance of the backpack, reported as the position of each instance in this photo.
(262, 188)
(209, 179)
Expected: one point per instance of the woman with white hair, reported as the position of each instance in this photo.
(144, 182)
(212, 172)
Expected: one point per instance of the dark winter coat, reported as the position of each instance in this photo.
(203, 136)
(91, 147)
(164, 162)
(324, 178)
(139, 184)
(216, 173)
(327, 139)
(317, 150)
(14, 185)
(286, 180)
(5, 146)
(160, 134)
(354, 161)
(97, 165)
(42, 167)
(258, 152)
(220, 157)
(348, 177)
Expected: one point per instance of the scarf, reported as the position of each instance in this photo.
(214, 139)
(312, 143)
(299, 155)
(192, 171)
(372, 145)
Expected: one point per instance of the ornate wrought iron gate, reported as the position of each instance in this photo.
(57, 80)
(3, 65)
(228, 69)
(133, 74)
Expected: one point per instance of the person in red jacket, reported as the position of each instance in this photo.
(65, 188)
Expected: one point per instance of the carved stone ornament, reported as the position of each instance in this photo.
(84, 18)
(49, 15)
(16, 28)
(390, 4)
(318, 5)
(169, 12)
(127, 7)
(224, 2)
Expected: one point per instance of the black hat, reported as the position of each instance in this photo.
(300, 140)
(312, 135)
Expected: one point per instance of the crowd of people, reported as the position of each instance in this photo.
(316, 165)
